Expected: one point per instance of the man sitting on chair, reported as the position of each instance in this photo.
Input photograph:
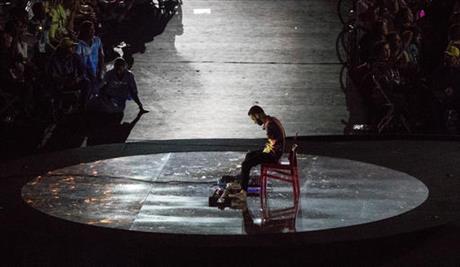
(272, 151)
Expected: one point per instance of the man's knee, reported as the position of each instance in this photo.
(245, 165)
(248, 155)
(251, 155)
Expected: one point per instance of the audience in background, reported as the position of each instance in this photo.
(90, 50)
(407, 49)
(49, 48)
(67, 72)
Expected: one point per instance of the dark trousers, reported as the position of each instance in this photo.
(254, 158)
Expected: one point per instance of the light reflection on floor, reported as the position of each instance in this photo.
(168, 193)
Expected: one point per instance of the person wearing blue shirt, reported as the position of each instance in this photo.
(91, 52)
(119, 86)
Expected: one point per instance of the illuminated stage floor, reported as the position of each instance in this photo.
(280, 54)
(168, 193)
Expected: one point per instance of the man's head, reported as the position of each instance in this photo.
(452, 56)
(19, 15)
(39, 11)
(119, 65)
(257, 114)
(67, 46)
(87, 30)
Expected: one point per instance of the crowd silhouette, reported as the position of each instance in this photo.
(401, 61)
(53, 68)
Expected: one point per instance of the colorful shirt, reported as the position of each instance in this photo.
(276, 137)
(90, 54)
(58, 26)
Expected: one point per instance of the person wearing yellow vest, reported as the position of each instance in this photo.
(59, 20)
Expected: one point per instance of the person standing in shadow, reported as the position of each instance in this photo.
(108, 129)
(91, 51)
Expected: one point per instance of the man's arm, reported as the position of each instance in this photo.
(133, 92)
(271, 135)
(101, 67)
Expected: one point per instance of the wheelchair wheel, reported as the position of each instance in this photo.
(344, 77)
(341, 46)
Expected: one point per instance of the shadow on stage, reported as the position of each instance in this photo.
(89, 130)
(108, 128)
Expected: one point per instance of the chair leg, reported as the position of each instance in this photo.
(263, 185)
(261, 193)
(296, 185)
(263, 181)
(297, 190)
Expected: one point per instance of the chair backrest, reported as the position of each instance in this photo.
(293, 156)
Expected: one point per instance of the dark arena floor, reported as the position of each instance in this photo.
(136, 193)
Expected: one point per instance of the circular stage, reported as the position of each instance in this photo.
(168, 193)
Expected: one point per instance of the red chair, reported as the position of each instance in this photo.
(283, 172)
